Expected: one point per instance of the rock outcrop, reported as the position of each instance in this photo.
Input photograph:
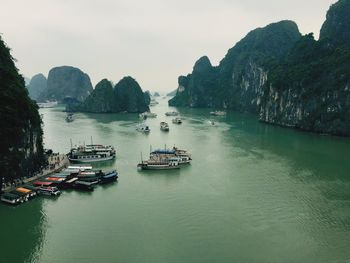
(283, 77)
(126, 96)
(21, 145)
(65, 82)
(37, 85)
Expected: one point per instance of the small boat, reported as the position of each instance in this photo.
(142, 127)
(47, 104)
(212, 122)
(10, 198)
(177, 121)
(51, 191)
(109, 177)
(164, 126)
(218, 113)
(69, 117)
(83, 185)
(147, 114)
(172, 113)
(165, 164)
(91, 153)
(153, 102)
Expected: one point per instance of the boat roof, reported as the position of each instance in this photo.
(159, 151)
(72, 180)
(23, 190)
(56, 179)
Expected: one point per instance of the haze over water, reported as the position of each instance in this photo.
(253, 193)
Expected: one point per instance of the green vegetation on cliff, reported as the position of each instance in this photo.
(126, 96)
(21, 148)
(285, 78)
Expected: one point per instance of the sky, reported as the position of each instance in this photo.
(154, 41)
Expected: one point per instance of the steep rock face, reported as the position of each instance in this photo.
(126, 96)
(67, 81)
(238, 79)
(147, 95)
(310, 89)
(130, 96)
(37, 85)
(336, 28)
(21, 147)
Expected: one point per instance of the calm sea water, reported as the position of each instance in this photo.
(254, 193)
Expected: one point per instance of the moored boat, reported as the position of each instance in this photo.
(183, 156)
(10, 198)
(49, 190)
(92, 153)
(109, 177)
(147, 114)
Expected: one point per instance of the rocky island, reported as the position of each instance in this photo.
(66, 82)
(37, 85)
(281, 76)
(125, 96)
(21, 144)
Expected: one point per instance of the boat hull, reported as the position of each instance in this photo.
(157, 167)
(74, 160)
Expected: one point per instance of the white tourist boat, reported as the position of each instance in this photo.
(183, 156)
(159, 164)
(177, 121)
(147, 114)
(218, 113)
(92, 153)
(164, 126)
(47, 104)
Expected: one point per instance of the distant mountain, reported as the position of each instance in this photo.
(156, 94)
(37, 85)
(125, 96)
(21, 144)
(283, 77)
(147, 97)
(65, 82)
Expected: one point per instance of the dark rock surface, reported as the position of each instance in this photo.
(37, 85)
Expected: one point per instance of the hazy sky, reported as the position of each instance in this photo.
(154, 41)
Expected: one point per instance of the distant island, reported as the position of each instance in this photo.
(281, 76)
(62, 83)
(125, 96)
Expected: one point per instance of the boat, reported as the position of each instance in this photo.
(177, 121)
(142, 127)
(91, 153)
(164, 126)
(172, 113)
(10, 198)
(218, 113)
(109, 177)
(69, 117)
(28, 192)
(83, 185)
(49, 190)
(153, 102)
(159, 164)
(147, 114)
(81, 167)
(183, 156)
(47, 104)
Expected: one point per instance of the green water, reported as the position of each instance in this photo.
(254, 193)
